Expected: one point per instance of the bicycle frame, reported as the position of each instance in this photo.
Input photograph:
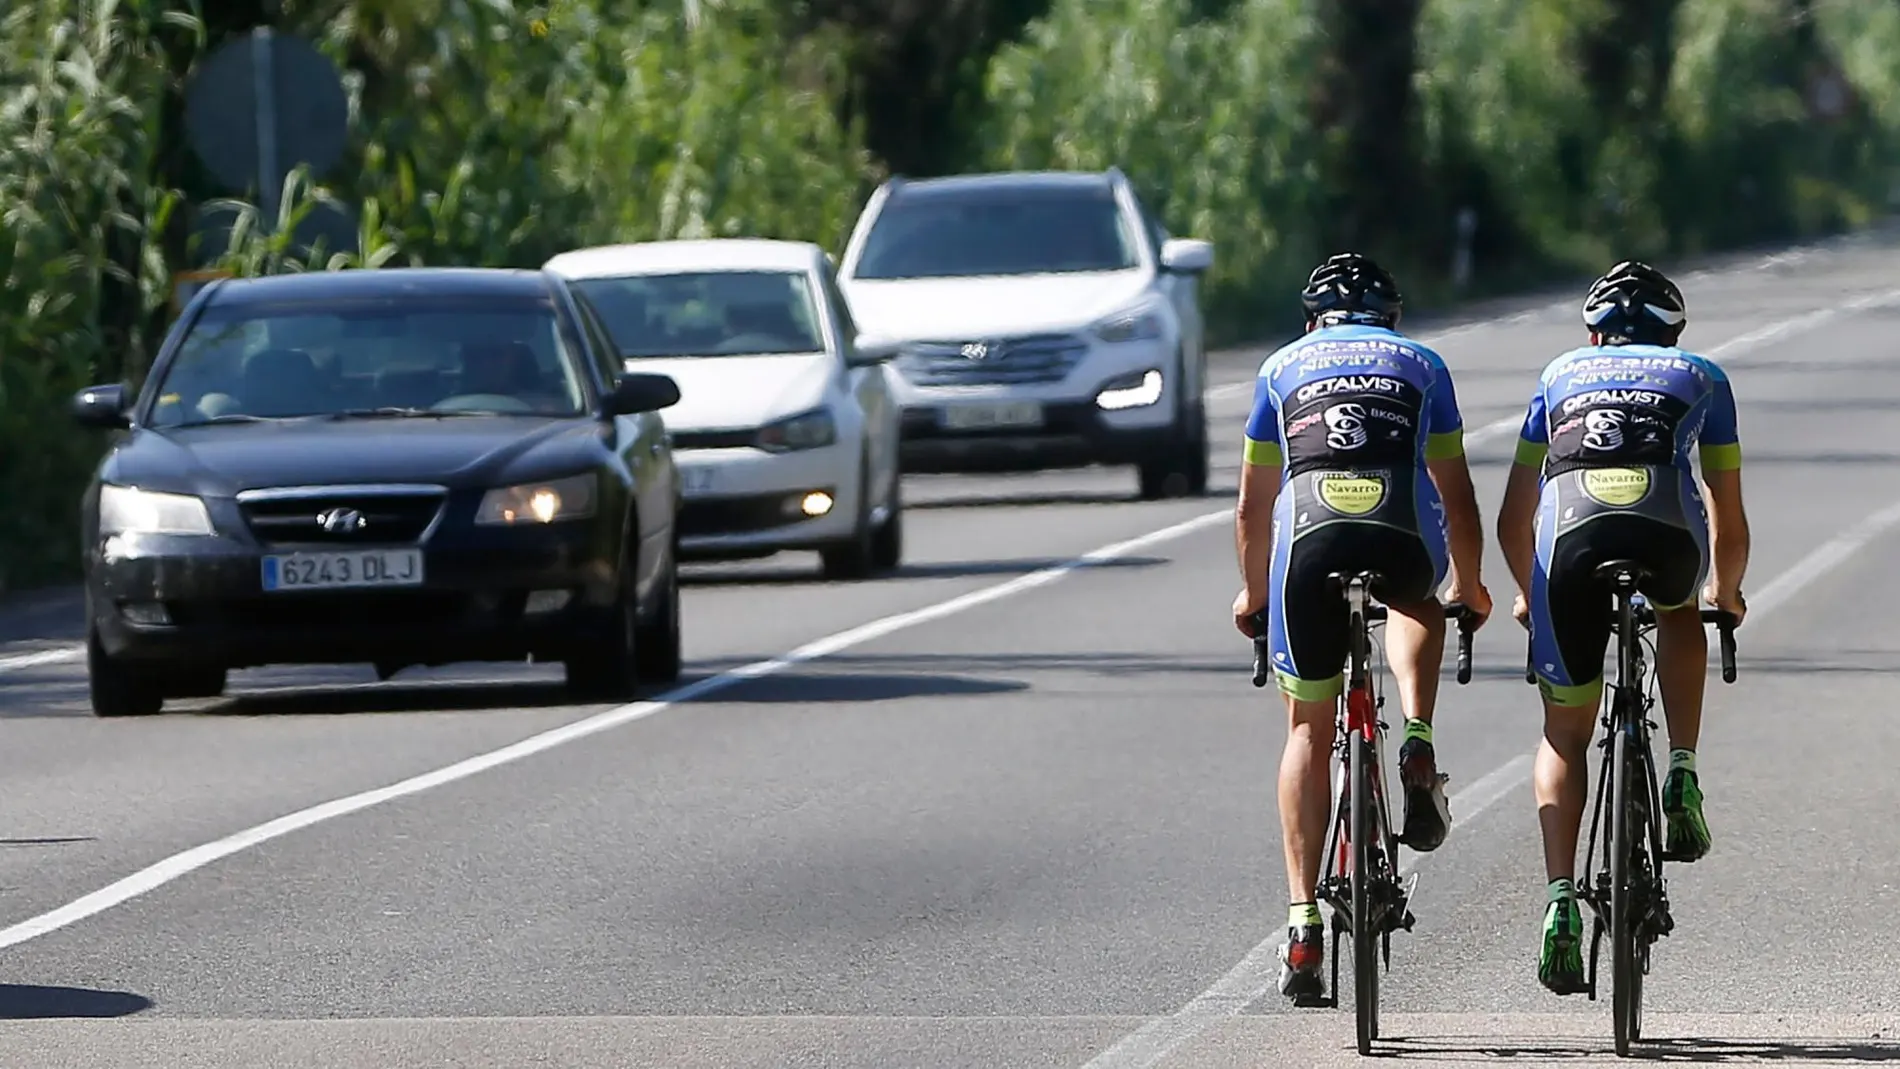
(1363, 887)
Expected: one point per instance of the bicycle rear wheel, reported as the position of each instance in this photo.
(1626, 966)
(1365, 934)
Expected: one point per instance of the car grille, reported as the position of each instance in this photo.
(328, 611)
(714, 439)
(323, 517)
(1035, 358)
(737, 515)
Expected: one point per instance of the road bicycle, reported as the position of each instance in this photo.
(1368, 900)
(1628, 895)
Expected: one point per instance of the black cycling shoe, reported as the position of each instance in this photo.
(1300, 959)
(1427, 813)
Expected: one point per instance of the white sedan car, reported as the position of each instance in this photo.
(786, 433)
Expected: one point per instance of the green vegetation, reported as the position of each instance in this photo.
(497, 133)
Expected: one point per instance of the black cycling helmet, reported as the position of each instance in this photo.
(1350, 286)
(1635, 302)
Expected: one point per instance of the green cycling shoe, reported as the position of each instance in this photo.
(1560, 964)
(1686, 838)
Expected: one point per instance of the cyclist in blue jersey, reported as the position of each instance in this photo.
(1354, 460)
(1603, 472)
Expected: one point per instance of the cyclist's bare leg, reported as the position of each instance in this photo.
(1305, 792)
(1562, 783)
(1562, 786)
(1682, 665)
(1415, 645)
(1682, 655)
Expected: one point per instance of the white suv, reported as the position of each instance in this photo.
(1042, 320)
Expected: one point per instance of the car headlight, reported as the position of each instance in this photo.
(129, 510)
(807, 430)
(1135, 324)
(1131, 391)
(571, 498)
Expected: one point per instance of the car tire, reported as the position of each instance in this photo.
(656, 645)
(887, 547)
(1182, 470)
(857, 558)
(606, 667)
(119, 688)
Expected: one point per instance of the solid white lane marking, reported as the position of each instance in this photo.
(20, 662)
(1258, 973)
(171, 868)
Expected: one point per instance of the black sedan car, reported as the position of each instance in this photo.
(399, 467)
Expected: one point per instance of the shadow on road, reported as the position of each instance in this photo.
(20, 1002)
(815, 688)
(1529, 1051)
(808, 576)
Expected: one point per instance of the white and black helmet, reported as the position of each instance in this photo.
(1634, 300)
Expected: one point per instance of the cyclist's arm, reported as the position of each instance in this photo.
(1451, 473)
(1517, 535)
(1260, 467)
(1721, 454)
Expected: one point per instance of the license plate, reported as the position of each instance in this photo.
(344, 570)
(976, 417)
(698, 480)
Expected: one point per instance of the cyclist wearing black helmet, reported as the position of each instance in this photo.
(1603, 472)
(1354, 459)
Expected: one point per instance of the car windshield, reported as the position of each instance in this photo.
(1002, 230)
(371, 358)
(707, 313)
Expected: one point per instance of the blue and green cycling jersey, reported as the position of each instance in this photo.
(1630, 406)
(1353, 396)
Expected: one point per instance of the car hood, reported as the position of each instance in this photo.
(949, 309)
(726, 392)
(220, 460)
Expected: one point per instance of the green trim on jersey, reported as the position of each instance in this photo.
(1445, 445)
(1265, 454)
(1722, 457)
(1531, 454)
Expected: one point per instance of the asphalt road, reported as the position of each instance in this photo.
(1023, 818)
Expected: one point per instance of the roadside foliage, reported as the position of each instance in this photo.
(495, 133)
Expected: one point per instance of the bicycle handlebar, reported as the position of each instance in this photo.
(1645, 616)
(1467, 622)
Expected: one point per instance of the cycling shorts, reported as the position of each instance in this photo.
(1651, 515)
(1384, 520)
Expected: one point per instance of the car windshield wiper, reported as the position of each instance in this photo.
(230, 417)
(400, 412)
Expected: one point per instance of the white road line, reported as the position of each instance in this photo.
(1258, 973)
(20, 662)
(171, 868)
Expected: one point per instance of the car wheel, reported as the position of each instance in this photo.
(854, 559)
(887, 548)
(119, 688)
(606, 667)
(656, 646)
(1182, 470)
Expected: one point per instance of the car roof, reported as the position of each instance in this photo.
(380, 282)
(691, 254)
(1094, 181)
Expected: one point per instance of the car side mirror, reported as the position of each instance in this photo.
(1187, 256)
(101, 407)
(867, 351)
(642, 392)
